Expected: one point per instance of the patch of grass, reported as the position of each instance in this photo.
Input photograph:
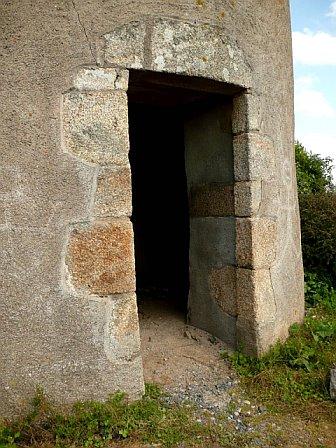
(297, 371)
(319, 291)
(114, 423)
(93, 424)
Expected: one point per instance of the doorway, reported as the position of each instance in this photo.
(182, 185)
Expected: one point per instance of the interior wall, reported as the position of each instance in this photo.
(209, 164)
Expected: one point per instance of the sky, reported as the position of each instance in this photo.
(314, 47)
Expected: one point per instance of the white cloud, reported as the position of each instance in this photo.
(309, 101)
(315, 112)
(332, 10)
(315, 118)
(314, 48)
(320, 143)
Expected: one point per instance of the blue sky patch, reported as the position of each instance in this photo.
(314, 47)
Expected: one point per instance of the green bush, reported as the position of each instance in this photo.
(318, 229)
(313, 172)
(319, 292)
(317, 197)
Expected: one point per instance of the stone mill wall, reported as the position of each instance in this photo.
(68, 317)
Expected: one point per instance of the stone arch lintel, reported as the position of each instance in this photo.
(180, 47)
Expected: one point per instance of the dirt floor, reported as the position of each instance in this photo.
(186, 362)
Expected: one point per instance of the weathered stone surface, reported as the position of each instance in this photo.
(211, 200)
(25, 252)
(247, 197)
(178, 47)
(97, 354)
(43, 196)
(246, 115)
(255, 295)
(292, 281)
(125, 45)
(257, 199)
(114, 192)
(9, 182)
(95, 126)
(98, 78)
(212, 240)
(255, 338)
(117, 326)
(205, 312)
(270, 199)
(333, 383)
(209, 167)
(257, 311)
(223, 288)
(199, 50)
(208, 147)
(3, 210)
(254, 157)
(256, 242)
(101, 259)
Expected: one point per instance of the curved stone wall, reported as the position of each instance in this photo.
(68, 318)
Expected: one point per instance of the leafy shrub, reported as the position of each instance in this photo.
(317, 197)
(318, 229)
(314, 173)
(319, 292)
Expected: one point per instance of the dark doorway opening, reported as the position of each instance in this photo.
(160, 203)
(160, 108)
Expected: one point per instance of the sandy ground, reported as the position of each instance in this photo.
(186, 361)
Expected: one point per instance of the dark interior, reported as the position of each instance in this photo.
(160, 203)
(158, 105)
